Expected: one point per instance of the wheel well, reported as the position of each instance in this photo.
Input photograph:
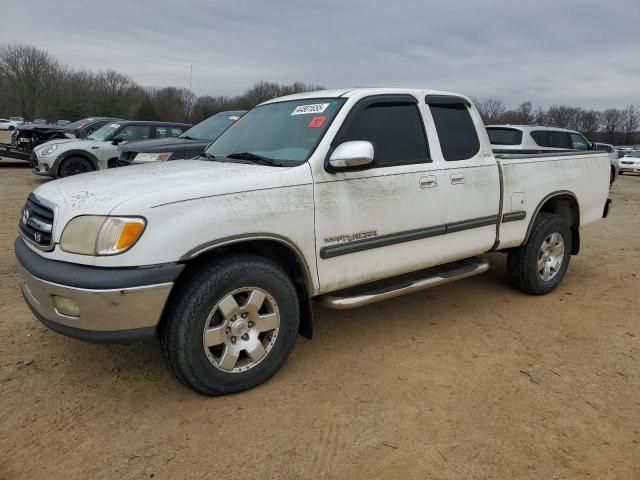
(566, 206)
(282, 255)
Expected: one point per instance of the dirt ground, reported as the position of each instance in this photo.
(471, 380)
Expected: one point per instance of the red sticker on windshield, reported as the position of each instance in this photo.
(317, 122)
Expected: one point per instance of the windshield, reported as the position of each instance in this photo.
(505, 136)
(283, 131)
(103, 133)
(634, 154)
(211, 128)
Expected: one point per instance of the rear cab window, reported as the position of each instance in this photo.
(456, 131)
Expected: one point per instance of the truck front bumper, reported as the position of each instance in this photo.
(102, 305)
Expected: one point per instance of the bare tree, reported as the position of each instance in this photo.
(630, 119)
(29, 72)
(491, 109)
(612, 120)
(590, 121)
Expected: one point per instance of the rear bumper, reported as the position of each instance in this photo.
(113, 305)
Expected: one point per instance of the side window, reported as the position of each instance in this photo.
(560, 140)
(456, 131)
(579, 142)
(541, 137)
(162, 132)
(394, 129)
(175, 131)
(135, 132)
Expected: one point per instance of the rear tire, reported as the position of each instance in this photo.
(74, 166)
(230, 325)
(539, 266)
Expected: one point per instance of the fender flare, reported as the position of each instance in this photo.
(551, 195)
(306, 287)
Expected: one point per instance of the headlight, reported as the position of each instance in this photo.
(101, 235)
(50, 150)
(151, 157)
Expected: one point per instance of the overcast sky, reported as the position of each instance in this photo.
(585, 53)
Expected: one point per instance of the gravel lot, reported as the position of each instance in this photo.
(469, 380)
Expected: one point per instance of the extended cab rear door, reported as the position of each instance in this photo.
(471, 179)
(388, 218)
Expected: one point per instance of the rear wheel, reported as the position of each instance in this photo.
(74, 166)
(231, 325)
(538, 266)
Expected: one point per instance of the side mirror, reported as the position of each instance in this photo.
(351, 155)
(117, 141)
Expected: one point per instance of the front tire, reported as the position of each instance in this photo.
(539, 266)
(74, 166)
(231, 324)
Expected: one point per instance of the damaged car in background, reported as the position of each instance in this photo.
(29, 135)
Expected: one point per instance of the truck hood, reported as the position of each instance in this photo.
(139, 187)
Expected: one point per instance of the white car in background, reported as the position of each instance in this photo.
(630, 162)
(10, 123)
(63, 158)
(532, 139)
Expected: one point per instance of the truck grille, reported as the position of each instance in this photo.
(36, 223)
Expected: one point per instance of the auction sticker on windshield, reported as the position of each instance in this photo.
(308, 109)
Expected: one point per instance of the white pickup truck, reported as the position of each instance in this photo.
(346, 196)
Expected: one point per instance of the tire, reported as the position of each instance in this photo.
(11, 128)
(74, 166)
(523, 263)
(197, 305)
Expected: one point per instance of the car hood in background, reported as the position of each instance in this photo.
(164, 145)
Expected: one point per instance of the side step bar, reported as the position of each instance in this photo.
(474, 266)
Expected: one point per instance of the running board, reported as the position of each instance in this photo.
(360, 296)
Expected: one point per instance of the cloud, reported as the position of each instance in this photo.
(576, 52)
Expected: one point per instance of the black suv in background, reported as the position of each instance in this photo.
(188, 145)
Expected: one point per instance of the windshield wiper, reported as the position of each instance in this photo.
(208, 156)
(252, 157)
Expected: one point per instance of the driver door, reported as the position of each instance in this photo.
(108, 151)
(387, 219)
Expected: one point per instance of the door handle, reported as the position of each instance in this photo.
(457, 178)
(428, 182)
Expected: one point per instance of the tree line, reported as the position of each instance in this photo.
(612, 125)
(34, 84)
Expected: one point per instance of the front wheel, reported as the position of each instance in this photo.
(538, 266)
(74, 166)
(230, 325)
